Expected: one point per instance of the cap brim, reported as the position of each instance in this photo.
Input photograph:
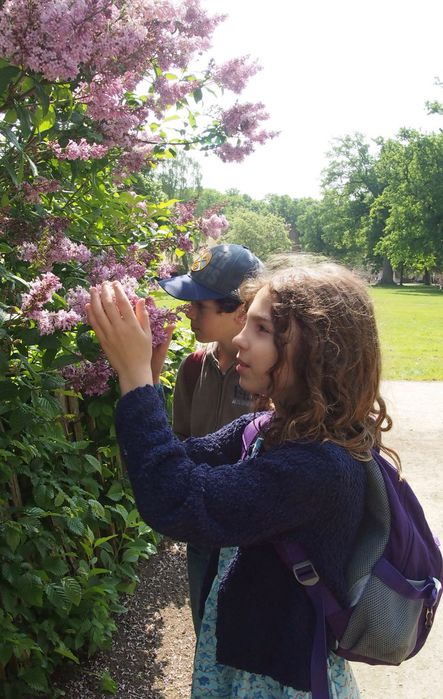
(186, 289)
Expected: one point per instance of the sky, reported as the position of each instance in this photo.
(330, 68)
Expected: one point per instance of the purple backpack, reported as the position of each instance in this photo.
(393, 578)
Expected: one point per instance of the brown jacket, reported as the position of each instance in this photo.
(215, 400)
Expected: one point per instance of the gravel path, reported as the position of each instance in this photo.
(152, 651)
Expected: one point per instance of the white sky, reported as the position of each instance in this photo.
(330, 68)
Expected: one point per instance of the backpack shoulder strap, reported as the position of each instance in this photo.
(251, 431)
(192, 369)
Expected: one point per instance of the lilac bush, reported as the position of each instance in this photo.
(86, 87)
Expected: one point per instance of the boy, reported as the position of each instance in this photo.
(207, 394)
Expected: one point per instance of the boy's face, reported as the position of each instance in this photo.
(209, 325)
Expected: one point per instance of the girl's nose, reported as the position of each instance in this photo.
(239, 340)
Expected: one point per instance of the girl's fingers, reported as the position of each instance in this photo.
(110, 304)
(96, 314)
(121, 301)
(142, 315)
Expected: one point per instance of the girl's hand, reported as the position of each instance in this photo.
(125, 336)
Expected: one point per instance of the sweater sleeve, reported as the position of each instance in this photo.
(234, 504)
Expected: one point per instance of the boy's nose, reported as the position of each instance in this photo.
(190, 311)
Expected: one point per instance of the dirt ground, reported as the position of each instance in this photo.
(152, 652)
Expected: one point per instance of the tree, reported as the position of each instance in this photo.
(288, 209)
(180, 177)
(264, 234)
(413, 168)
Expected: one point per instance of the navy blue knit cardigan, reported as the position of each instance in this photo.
(198, 491)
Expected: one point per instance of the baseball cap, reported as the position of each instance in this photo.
(216, 274)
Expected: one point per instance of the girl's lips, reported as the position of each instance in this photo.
(241, 366)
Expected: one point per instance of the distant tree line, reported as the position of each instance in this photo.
(381, 207)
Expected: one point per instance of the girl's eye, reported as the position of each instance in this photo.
(263, 329)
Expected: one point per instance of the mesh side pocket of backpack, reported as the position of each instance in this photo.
(374, 530)
(383, 625)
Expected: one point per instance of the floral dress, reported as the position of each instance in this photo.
(212, 680)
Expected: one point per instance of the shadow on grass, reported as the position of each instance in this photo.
(411, 289)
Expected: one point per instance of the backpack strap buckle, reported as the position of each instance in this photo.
(305, 573)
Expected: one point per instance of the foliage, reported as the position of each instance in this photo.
(381, 205)
(264, 234)
(93, 94)
(180, 177)
(413, 199)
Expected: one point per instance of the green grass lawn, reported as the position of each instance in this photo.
(410, 321)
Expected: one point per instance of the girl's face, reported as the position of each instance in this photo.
(257, 353)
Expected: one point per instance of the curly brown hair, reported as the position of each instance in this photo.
(337, 363)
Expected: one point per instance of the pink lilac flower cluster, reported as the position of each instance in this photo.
(234, 74)
(107, 267)
(81, 150)
(214, 226)
(184, 242)
(48, 322)
(159, 318)
(184, 212)
(54, 249)
(243, 121)
(89, 378)
(108, 47)
(169, 92)
(77, 298)
(40, 185)
(41, 290)
(165, 270)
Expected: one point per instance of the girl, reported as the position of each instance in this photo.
(310, 344)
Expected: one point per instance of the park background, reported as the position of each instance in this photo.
(102, 105)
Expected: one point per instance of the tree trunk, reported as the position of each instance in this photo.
(387, 276)
(427, 277)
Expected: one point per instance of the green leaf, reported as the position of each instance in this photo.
(12, 535)
(103, 539)
(42, 97)
(57, 596)
(5, 652)
(8, 390)
(12, 138)
(35, 677)
(42, 120)
(56, 566)
(198, 95)
(95, 463)
(7, 74)
(115, 492)
(73, 590)
(63, 650)
(30, 589)
(108, 684)
(75, 525)
(88, 346)
(10, 116)
(131, 556)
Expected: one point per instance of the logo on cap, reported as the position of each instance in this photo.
(202, 262)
